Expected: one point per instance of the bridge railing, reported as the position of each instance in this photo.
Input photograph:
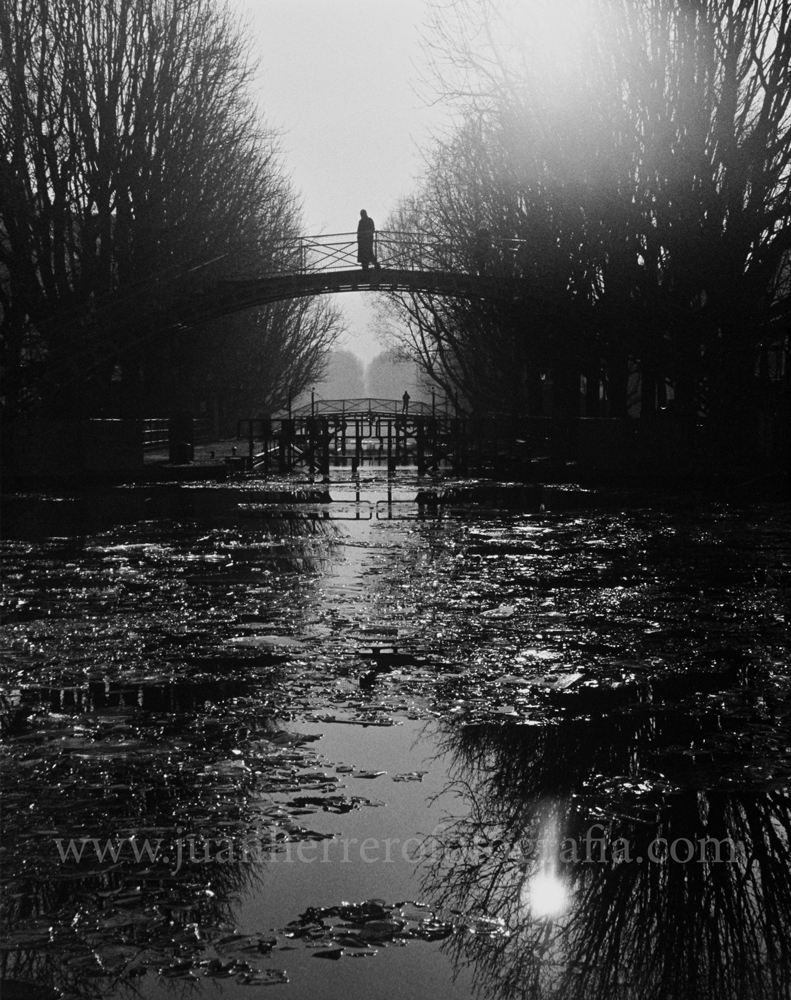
(395, 250)
(362, 407)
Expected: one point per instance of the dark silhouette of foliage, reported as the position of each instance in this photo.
(713, 924)
(134, 171)
(645, 165)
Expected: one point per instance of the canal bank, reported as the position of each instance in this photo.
(592, 451)
(195, 665)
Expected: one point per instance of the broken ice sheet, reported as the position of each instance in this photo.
(265, 977)
(130, 685)
(356, 927)
(333, 803)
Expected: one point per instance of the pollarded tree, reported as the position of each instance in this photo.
(488, 351)
(249, 364)
(134, 170)
(643, 151)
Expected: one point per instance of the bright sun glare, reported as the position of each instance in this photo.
(552, 31)
(546, 895)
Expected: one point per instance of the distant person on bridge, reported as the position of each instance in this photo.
(365, 242)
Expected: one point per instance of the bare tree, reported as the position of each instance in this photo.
(646, 166)
(248, 365)
(134, 170)
(486, 351)
(713, 928)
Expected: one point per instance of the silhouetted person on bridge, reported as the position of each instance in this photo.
(365, 241)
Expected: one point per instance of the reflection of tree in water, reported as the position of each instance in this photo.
(630, 929)
(105, 930)
(85, 926)
(151, 682)
(153, 601)
(82, 926)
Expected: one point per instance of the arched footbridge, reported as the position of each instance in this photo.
(406, 262)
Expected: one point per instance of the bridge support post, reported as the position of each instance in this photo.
(463, 430)
(285, 457)
(266, 440)
(281, 449)
(324, 447)
(181, 439)
(311, 443)
(457, 446)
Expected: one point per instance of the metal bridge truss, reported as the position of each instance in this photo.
(406, 262)
(399, 251)
(313, 444)
(389, 436)
(367, 407)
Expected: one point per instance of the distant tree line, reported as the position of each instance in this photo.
(644, 162)
(386, 376)
(344, 378)
(135, 171)
(389, 375)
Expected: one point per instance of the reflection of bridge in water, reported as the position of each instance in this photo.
(385, 432)
(481, 267)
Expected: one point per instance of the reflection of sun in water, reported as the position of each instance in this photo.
(545, 895)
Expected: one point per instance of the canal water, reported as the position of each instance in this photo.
(405, 740)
